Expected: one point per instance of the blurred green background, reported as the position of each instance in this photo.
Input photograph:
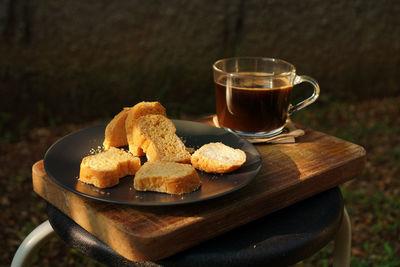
(74, 61)
(68, 64)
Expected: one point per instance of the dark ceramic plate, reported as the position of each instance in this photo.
(63, 158)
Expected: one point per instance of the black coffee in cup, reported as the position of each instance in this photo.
(254, 105)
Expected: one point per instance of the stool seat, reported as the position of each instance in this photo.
(282, 238)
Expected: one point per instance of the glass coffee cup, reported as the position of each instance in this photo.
(253, 94)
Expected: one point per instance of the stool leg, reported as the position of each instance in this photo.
(32, 243)
(342, 251)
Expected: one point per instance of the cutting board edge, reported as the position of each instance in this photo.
(137, 249)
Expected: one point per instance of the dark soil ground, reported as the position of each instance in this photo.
(372, 200)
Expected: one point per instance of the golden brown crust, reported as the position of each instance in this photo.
(186, 179)
(218, 158)
(140, 109)
(115, 134)
(102, 175)
(98, 178)
(212, 166)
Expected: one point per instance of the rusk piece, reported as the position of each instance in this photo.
(106, 168)
(218, 158)
(115, 134)
(167, 177)
(140, 109)
(155, 135)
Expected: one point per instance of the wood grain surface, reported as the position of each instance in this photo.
(290, 173)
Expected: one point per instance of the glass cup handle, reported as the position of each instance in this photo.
(299, 79)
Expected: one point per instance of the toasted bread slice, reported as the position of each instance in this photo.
(106, 168)
(218, 158)
(140, 109)
(155, 135)
(167, 177)
(115, 134)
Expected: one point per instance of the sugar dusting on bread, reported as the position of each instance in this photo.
(170, 167)
(218, 158)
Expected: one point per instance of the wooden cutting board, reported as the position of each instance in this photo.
(290, 173)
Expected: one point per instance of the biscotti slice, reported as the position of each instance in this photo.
(140, 109)
(155, 135)
(167, 177)
(106, 168)
(218, 158)
(115, 134)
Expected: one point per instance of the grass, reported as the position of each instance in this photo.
(372, 200)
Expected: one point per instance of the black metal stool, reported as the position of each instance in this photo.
(282, 238)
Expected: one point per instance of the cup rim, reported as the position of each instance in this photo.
(293, 68)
